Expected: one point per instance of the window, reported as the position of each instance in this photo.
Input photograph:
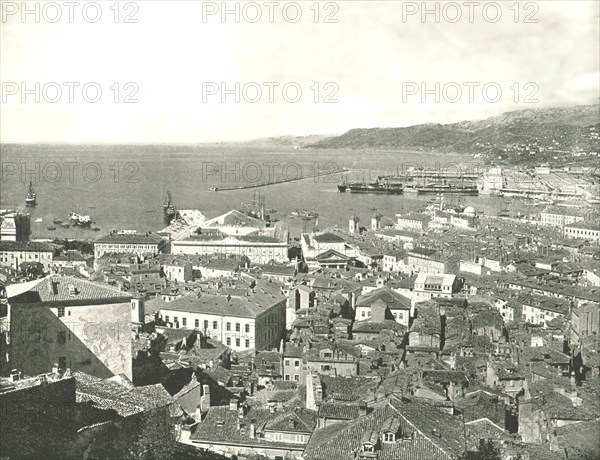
(362, 314)
(61, 312)
(62, 337)
(296, 377)
(237, 342)
(237, 327)
(247, 343)
(287, 362)
(228, 341)
(247, 328)
(215, 325)
(184, 321)
(325, 367)
(299, 438)
(297, 363)
(166, 319)
(196, 323)
(388, 437)
(287, 377)
(205, 324)
(228, 326)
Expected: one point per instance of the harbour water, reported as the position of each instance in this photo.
(124, 187)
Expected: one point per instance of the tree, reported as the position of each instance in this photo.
(487, 451)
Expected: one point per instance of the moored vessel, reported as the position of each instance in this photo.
(169, 210)
(80, 220)
(31, 198)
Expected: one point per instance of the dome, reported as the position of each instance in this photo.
(469, 210)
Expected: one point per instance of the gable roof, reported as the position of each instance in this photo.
(328, 238)
(86, 292)
(392, 299)
(331, 254)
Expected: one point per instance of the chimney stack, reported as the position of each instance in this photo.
(205, 399)
(252, 430)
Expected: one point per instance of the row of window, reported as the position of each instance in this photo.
(237, 342)
(128, 246)
(4, 257)
(578, 231)
(215, 324)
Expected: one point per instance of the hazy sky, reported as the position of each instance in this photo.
(375, 59)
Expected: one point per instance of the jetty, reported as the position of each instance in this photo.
(276, 182)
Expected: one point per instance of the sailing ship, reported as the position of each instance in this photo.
(256, 210)
(170, 212)
(30, 199)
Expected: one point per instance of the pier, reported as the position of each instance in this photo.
(282, 181)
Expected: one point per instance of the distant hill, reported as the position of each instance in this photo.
(532, 131)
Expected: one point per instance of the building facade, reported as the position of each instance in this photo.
(130, 243)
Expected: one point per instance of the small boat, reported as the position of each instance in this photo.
(78, 219)
(30, 199)
(58, 222)
(39, 220)
(213, 189)
(66, 225)
(96, 229)
(52, 228)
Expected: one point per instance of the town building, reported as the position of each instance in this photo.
(130, 243)
(583, 230)
(242, 317)
(260, 249)
(15, 226)
(428, 286)
(15, 253)
(556, 216)
(79, 324)
(413, 222)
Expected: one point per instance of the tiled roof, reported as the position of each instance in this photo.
(392, 299)
(130, 238)
(341, 441)
(329, 238)
(376, 327)
(119, 395)
(224, 304)
(86, 292)
(220, 426)
(27, 246)
(298, 420)
(339, 411)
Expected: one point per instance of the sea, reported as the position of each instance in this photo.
(124, 187)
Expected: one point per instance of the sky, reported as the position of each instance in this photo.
(171, 71)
